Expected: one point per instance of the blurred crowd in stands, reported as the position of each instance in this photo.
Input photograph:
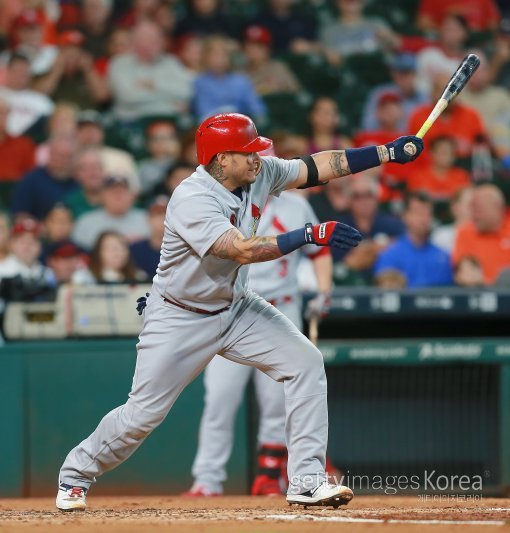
(99, 100)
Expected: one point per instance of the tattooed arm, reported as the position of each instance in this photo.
(332, 164)
(234, 246)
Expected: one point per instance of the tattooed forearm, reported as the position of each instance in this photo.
(232, 245)
(382, 152)
(339, 165)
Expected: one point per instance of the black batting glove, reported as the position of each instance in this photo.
(141, 303)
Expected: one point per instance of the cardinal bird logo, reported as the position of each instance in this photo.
(255, 214)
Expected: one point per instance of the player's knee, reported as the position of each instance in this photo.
(310, 362)
(143, 422)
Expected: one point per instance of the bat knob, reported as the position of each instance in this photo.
(410, 148)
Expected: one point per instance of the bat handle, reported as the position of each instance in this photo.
(313, 328)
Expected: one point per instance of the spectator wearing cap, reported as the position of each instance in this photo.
(72, 77)
(148, 82)
(17, 154)
(443, 58)
(146, 253)
(403, 74)
(164, 148)
(110, 262)
(481, 15)
(25, 249)
(117, 214)
(414, 255)
(27, 107)
(292, 31)
(90, 175)
(268, 75)
(493, 104)
(219, 89)
(65, 258)
(487, 236)
(41, 188)
(389, 113)
(353, 33)
(91, 134)
(440, 179)
(27, 36)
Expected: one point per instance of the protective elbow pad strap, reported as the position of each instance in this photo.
(313, 173)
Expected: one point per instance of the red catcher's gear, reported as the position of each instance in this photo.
(228, 132)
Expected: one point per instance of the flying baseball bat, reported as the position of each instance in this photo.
(457, 82)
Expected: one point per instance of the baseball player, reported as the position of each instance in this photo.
(200, 305)
(277, 282)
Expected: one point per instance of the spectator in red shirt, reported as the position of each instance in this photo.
(16, 153)
(482, 15)
(440, 179)
(463, 123)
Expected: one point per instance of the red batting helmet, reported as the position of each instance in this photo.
(228, 132)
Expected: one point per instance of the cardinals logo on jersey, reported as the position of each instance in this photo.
(233, 219)
(255, 213)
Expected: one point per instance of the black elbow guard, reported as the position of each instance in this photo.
(313, 173)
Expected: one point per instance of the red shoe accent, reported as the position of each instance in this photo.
(265, 486)
(199, 492)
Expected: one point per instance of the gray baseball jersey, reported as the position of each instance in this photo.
(199, 212)
(274, 279)
(177, 344)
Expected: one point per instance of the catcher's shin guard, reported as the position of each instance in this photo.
(272, 460)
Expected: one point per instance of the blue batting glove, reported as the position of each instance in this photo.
(400, 153)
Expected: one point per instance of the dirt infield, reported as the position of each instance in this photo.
(244, 514)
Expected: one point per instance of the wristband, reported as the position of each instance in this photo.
(360, 159)
(292, 240)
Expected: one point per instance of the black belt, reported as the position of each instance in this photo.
(195, 309)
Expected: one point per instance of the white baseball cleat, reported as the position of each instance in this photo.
(324, 494)
(71, 498)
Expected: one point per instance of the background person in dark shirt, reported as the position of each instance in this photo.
(43, 187)
(378, 228)
(145, 253)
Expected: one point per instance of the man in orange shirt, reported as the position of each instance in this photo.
(463, 123)
(440, 179)
(487, 237)
(16, 153)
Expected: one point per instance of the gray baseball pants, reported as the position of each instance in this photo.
(174, 347)
(225, 383)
